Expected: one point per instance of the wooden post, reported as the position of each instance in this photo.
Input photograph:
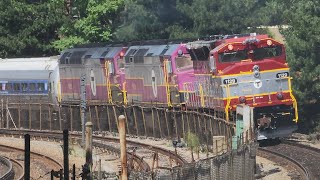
(19, 115)
(90, 118)
(153, 161)
(123, 149)
(144, 122)
(153, 124)
(183, 128)
(194, 122)
(165, 116)
(50, 119)
(29, 116)
(211, 126)
(98, 119)
(109, 121)
(159, 123)
(175, 123)
(199, 122)
(99, 169)
(135, 120)
(2, 120)
(89, 146)
(7, 114)
(40, 117)
(71, 118)
(125, 114)
(188, 122)
(115, 116)
(60, 123)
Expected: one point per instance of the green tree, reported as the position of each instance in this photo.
(149, 19)
(27, 28)
(210, 17)
(303, 42)
(90, 21)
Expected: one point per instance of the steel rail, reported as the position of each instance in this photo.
(160, 150)
(10, 172)
(19, 165)
(303, 169)
(56, 163)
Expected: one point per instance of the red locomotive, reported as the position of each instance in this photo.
(246, 69)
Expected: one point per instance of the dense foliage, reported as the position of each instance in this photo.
(44, 27)
(28, 27)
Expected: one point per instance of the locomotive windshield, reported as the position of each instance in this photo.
(233, 56)
(255, 54)
(267, 52)
(183, 61)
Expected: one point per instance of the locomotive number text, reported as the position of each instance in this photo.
(230, 81)
(282, 75)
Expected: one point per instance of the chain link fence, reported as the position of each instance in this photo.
(236, 164)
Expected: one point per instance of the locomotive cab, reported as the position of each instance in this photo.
(254, 72)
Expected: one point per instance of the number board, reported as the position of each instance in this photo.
(230, 81)
(282, 75)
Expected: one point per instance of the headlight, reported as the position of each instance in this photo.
(242, 99)
(279, 95)
(256, 68)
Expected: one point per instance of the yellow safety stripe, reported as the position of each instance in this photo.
(262, 94)
(250, 72)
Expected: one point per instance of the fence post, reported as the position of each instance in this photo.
(27, 157)
(66, 154)
(89, 146)
(123, 151)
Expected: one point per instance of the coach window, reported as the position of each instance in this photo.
(32, 86)
(1, 87)
(16, 86)
(8, 86)
(24, 86)
(40, 86)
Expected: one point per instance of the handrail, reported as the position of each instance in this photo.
(166, 78)
(295, 104)
(109, 95)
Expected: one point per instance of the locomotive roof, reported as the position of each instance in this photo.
(106, 52)
(152, 50)
(93, 53)
(27, 68)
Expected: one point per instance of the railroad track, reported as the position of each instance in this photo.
(305, 159)
(18, 167)
(143, 166)
(6, 170)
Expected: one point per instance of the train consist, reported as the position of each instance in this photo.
(216, 73)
